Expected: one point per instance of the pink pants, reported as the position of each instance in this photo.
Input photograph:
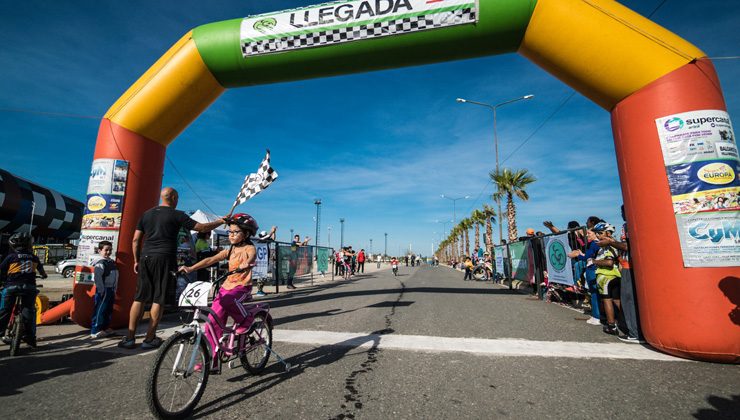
(228, 303)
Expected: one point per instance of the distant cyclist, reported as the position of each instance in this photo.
(20, 268)
(237, 289)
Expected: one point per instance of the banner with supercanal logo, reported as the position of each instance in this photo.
(702, 165)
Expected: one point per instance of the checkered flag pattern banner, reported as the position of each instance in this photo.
(374, 30)
(54, 215)
(254, 183)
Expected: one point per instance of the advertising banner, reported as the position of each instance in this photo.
(346, 21)
(559, 266)
(103, 211)
(322, 262)
(294, 260)
(522, 267)
(498, 253)
(702, 166)
(260, 269)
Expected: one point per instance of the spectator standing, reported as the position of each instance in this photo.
(468, 266)
(627, 286)
(105, 274)
(592, 249)
(155, 261)
(608, 276)
(361, 261)
(339, 263)
(353, 259)
(293, 263)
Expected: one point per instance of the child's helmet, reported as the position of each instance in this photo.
(20, 240)
(245, 222)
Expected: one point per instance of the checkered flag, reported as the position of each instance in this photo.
(254, 183)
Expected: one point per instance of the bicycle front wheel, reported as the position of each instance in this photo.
(16, 332)
(172, 391)
(255, 356)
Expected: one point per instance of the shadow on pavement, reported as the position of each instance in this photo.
(36, 366)
(316, 357)
(724, 408)
(309, 296)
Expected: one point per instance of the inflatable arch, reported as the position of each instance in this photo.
(638, 71)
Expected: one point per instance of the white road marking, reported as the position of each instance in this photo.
(509, 347)
(493, 347)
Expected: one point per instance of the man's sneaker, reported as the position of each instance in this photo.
(7, 340)
(99, 334)
(290, 286)
(125, 343)
(151, 344)
(31, 341)
(610, 329)
(260, 293)
(632, 340)
(593, 321)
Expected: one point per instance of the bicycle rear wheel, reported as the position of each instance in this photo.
(172, 393)
(255, 357)
(16, 332)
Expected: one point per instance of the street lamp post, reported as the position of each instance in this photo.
(318, 220)
(454, 200)
(329, 228)
(495, 141)
(291, 234)
(385, 251)
(341, 233)
(371, 246)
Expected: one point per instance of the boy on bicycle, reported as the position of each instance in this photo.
(237, 288)
(20, 268)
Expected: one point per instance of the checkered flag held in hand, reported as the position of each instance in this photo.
(254, 183)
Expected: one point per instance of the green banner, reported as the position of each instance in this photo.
(521, 261)
(294, 261)
(322, 263)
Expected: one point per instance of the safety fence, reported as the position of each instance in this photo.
(542, 262)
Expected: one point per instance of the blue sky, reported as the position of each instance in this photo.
(378, 148)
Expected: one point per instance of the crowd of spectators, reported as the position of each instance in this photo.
(603, 280)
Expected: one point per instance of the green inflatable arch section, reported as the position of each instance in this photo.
(494, 33)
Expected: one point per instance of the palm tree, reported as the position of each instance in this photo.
(466, 224)
(490, 217)
(478, 218)
(510, 183)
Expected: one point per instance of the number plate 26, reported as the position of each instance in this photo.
(195, 294)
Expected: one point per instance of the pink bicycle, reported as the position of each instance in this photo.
(181, 368)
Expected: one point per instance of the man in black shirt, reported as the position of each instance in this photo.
(155, 262)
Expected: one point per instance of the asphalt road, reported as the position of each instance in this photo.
(421, 345)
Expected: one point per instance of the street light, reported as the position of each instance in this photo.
(329, 228)
(454, 200)
(444, 226)
(341, 233)
(371, 246)
(385, 251)
(495, 141)
(318, 220)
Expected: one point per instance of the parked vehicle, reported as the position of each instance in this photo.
(66, 267)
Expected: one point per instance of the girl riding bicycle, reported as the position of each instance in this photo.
(237, 288)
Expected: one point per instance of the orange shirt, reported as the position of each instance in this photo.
(240, 257)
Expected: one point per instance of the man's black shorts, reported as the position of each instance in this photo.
(155, 272)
